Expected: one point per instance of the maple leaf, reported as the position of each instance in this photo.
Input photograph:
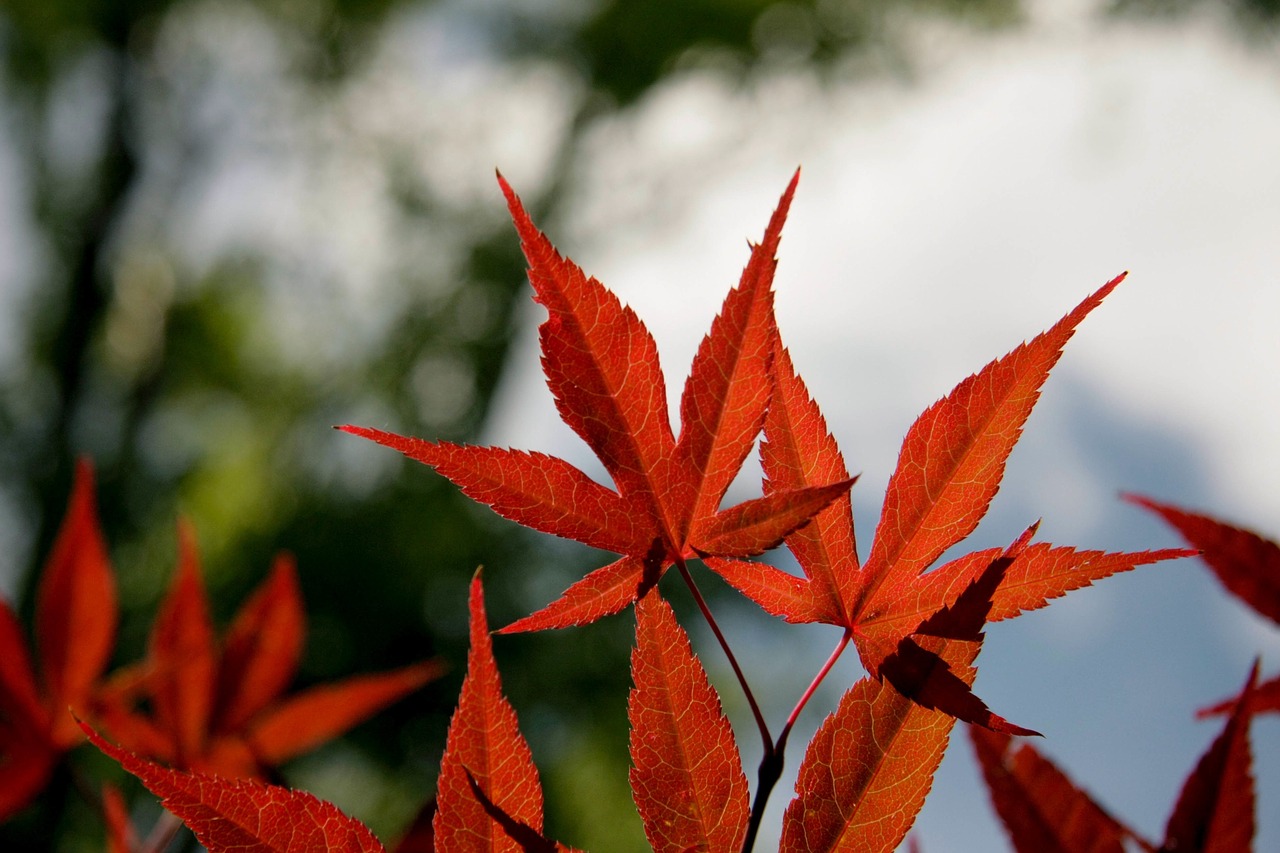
(75, 625)
(488, 797)
(870, 765)
(1044, 811)
(602, 368)
(686, 777)
(1041, 808)
(221, 708)
(1215, 809)
(950, 467)
(243, 815)
(1247, 564)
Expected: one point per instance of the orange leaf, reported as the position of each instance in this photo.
(951, 464)
(241, 816)
(798, 451)
(485, 745)
(869, 767)
(926, 678)
(605, 591)
(777, 592)
(727, 392)
(687, 777)
(1036, 576)
(533, 489)
(602, 368)
(953, 459)
(753, 527)
(529, 839)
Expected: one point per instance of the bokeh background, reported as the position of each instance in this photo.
(226, 226)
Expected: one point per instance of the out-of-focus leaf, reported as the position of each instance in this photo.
(1042, 810)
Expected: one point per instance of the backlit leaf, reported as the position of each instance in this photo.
(602, 367)
(686, 777)
(798, 451)
(953, 459)
(484, 745)
(243, 816)
(870, 765)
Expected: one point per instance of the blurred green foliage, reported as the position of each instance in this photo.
(203, 373)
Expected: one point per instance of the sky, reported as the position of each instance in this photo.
(938, 223)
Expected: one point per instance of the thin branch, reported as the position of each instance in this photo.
(813, 686)
(771, 764)
(733, 661)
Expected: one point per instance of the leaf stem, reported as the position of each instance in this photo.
(771, 764)
(767, 776)
(733, 661)
(813, 685)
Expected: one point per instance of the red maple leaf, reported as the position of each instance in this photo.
(484, 747)
(1215, 809)
(243, 815)
(1044, 811)
(75, 619)
(1247, 564)
(222, 708)
(1041, 808)
(488, 797)
(869, 767)
(602, 368)
(950, 467)
(687, 776)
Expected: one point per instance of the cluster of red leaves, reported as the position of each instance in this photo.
(193, 702)
(1043, 810)
(917, 626)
